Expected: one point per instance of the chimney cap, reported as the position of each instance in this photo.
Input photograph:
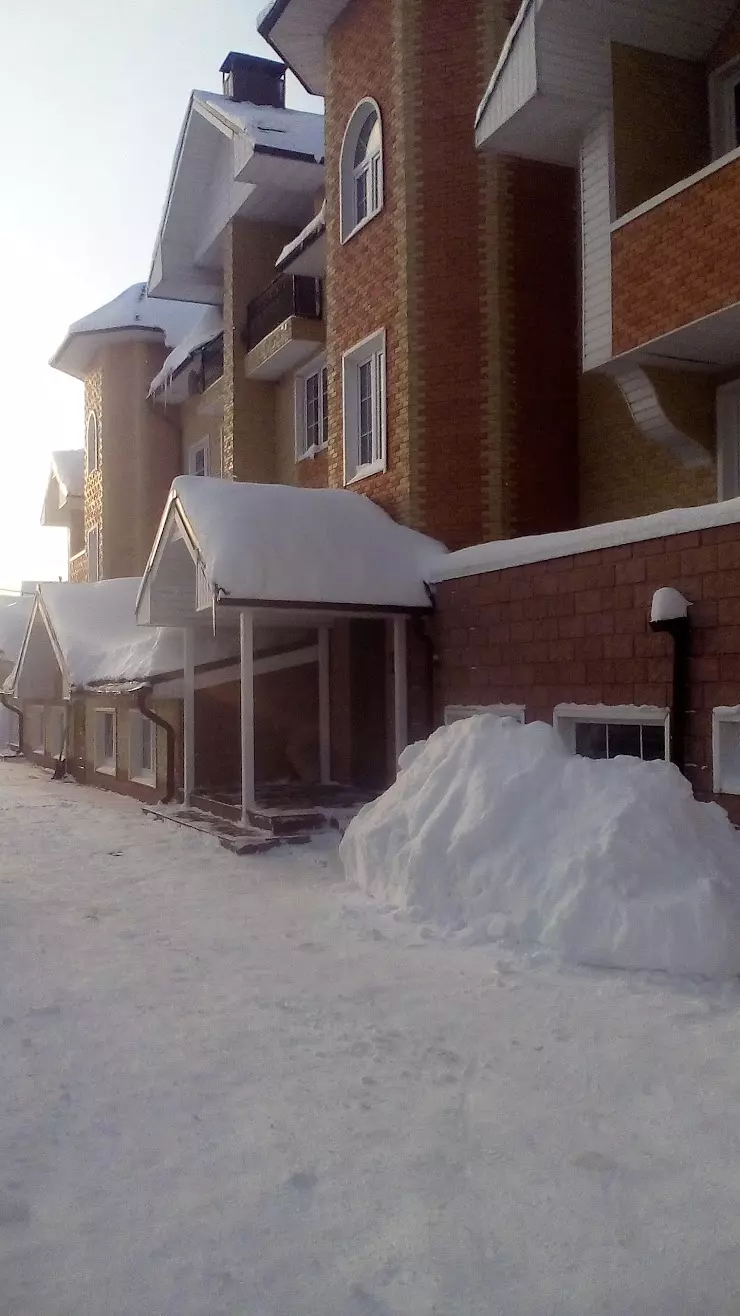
(236, 60)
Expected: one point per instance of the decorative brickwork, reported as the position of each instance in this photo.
(653, 295)
(94, 479)
(576, 630)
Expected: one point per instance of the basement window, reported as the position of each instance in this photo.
(603, 732)
(105, 740)
(142, 749)
(458, 712)
(726, 751)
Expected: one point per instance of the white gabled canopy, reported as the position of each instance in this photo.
(276, 548)
(130, 317)
(65, 487)
(554, 73)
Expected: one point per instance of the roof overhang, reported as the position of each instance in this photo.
(297, 31)
(78, 351)
(554, 73)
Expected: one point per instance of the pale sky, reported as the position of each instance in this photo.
(95, 92)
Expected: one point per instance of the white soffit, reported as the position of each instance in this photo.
(297, 30)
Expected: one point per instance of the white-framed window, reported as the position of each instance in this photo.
(364, 408)
(724, 102)
(311, 410)
(56, 732)
(602, 732)
(726, 751)
(105, 740)
(92, 450)
(199, 462)
(93, 554)
(142, 748)
(458, 712)
(361, 166)
(33, 728)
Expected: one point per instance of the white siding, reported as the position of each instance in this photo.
(573, 58)
(517, 81)
(596, 244)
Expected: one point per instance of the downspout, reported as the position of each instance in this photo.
(7, 702)
(169, 731)
(670, 614)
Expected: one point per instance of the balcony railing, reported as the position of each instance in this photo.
(288, 295)
(209, 369)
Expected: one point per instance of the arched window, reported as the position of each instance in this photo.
(361, 168)
(91, 442)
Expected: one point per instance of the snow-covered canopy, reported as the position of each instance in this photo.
(65, 485)
(130, 316)
(276, 544)
(206, 329)
(306, 254)
(233, 158)
(15, 610)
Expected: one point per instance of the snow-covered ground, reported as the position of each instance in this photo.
(229, 1088)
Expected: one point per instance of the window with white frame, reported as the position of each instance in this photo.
(724, 99)
(33, 729)
(93, 554)
(361, 181)
(601, 732)
(105, 740)
(91, 443)
(364, 406)
(56, 732)
(726, 750)
(199, 459)
(312, 410)
(458, 712)
(142, 748)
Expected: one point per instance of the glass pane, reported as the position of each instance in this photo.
(147, 756)
(365, 380)
(312, 411)
(378, 406)
(591, 740)
(653, 743)
(324, 406)
(368, 142)
(375, 182)
(737, 113)
(361, 196)
(624, 738)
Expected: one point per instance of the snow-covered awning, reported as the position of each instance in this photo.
(206, 330)
(65, 487)
(281, 549)
(554, 73)
(130, 317)
(306, 254)
(87, 636)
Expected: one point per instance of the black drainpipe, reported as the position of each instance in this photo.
(169, 731)
(7, 702)
(679, 629)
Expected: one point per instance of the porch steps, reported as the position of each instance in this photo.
(232, 836)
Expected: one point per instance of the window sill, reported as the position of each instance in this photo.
(145, 779)
(364, 473)
(108, 769)
(362, 224)
(311, 452)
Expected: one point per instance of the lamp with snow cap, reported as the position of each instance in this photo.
(670, 613)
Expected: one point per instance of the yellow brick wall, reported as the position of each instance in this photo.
(624, 474)
(196, 427)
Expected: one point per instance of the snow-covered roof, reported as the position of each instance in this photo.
(131, 315)
(298, 256)
(15, 610)
(233, 158)
(68, 467)
(204, 331)
(276, 544)
(297, 30)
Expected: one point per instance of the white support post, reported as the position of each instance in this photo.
(400, 686)
(324, 706)
(246, 647)
(188, 643)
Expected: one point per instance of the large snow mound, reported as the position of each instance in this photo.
(498, 830)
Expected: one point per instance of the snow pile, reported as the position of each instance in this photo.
(495, 829)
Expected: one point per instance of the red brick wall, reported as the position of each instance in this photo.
(653, 294)
(576, 630)
(544, 337)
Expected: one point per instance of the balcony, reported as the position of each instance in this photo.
(676, 271)
(284, 326)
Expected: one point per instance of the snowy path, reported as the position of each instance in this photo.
(224, 1094)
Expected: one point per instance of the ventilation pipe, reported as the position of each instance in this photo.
(670, 613)
(169, 730)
